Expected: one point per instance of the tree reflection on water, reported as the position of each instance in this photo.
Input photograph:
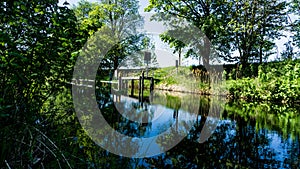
(248, 135)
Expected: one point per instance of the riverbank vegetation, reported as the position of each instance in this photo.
(250, 29)
(40, 42)
(275, 81)
(278, 82)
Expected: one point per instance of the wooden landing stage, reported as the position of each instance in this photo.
(141, 88)
(123, 84)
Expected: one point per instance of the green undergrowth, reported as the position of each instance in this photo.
(276, 82)
(181, 78)
(279, 82)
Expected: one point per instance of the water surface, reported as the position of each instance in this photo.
(247, 135)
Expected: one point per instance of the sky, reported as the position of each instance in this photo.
(164, 54)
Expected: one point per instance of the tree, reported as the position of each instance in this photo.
(177, 44)
(249, 27)
(37, 42)
(89, 17)
(255, 25)
(288, 53)
(208, 16)
(295, 26)
(118, 20)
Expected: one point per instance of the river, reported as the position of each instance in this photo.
(193, 131)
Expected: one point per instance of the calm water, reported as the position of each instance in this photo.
(236, 134)
(182, 131)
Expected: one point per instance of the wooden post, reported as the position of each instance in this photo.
(176, 64)
(132, 87)
(120, 83)
(143, 77)
(126, 83)
(119, 98)
(151, 84)
(151, 88)
(140, 88)
(147, 59)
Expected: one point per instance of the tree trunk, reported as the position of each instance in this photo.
(206, 53)
(179, 57)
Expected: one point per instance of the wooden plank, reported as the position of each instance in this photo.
(83, 80)
(137, 78)
(109, 82)
(132, 87)
(130, 78)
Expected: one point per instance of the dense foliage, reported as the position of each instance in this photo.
(278, 81)
(248, 28)
(37, 42)
(40, 42)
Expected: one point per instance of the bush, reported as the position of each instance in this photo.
(278, 81)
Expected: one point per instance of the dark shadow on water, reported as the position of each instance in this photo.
(248, 135)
